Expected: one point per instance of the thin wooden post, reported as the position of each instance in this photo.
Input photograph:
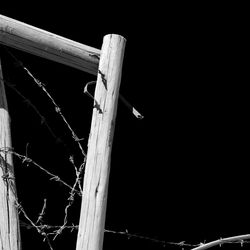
(9, 223)
(96, 178)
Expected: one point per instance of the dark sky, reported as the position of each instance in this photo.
(178, 174)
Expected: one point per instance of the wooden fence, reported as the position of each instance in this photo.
(107, 65)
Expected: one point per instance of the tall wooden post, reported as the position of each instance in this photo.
(96, 178)
(9, 223)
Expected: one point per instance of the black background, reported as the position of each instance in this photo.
(178, 174)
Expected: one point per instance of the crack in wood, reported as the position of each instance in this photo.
(104, 80)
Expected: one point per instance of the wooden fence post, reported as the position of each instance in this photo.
(9, 222)
(96, 178)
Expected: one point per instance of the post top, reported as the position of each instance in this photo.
(116, 36)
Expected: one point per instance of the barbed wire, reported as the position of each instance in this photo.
(29, 103)
(42, 213)
(39, 229)
(122, 233)
(163, 243)
(44, 121)
(76, 188)
(240, 239)
(28, 161)
(46, 230)
(71, 198)
(58, 110)
(56, 106)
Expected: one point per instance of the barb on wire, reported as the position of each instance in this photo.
(26, 159)
(42, 213)
(78, 173)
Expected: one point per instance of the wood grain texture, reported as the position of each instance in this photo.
(48, 45)
(9, 223)
(96, 178)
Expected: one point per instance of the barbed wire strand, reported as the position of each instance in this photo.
(240, 239)
(54, 177)
(73, 191)
(29, 103)
(44, 121)
(42, 213)
(71, 197)
(28, 160)
(58, 110)
(78, 172)
(56, 106)
(142, 237)
(39, 229)
(59, 229)
(123, 233)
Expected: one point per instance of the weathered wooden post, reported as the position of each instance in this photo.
(56, 48)
(96, 178)
(9, 223)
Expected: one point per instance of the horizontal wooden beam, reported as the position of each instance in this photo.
(42, 43)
